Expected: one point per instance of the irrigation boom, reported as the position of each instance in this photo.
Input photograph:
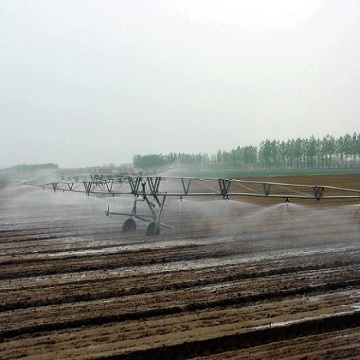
(153, 190)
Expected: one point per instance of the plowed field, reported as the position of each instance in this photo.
(234, 279)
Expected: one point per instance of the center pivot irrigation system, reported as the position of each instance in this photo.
(153, 190)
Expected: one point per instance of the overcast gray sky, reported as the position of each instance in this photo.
(92, 82)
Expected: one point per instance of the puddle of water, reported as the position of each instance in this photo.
(294, 321)
(356, 308)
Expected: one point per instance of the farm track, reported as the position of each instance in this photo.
(240, 281)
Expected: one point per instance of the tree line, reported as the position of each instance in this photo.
(158, 161)
(312, 153)
(32, 167)
(309, 153)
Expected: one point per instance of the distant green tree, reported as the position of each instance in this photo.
(311, 151)
(249, 155)
(265, 154)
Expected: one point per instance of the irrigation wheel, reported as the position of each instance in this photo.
(152, 229)
(129, 225)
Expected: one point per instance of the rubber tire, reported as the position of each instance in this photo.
(152, 229)
(129, 225)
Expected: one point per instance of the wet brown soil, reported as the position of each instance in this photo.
(238, 279)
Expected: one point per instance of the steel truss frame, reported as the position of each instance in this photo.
(153, 190)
